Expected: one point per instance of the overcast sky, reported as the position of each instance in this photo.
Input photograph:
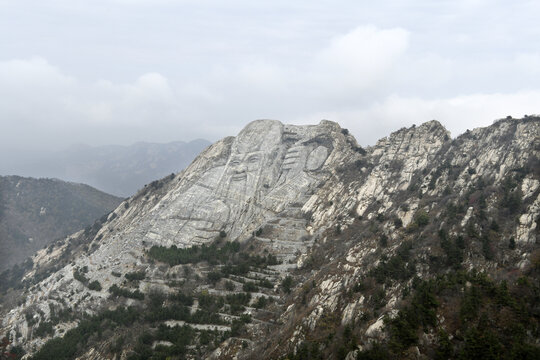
(120, 71)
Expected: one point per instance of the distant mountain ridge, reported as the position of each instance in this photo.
(293, 242)
(35, 212)
(115, 169)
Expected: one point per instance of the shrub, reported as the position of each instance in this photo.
(79, 276)
(229, 285)
(250, 287)
(116, 291)
(383, 240)
(214, 276)
(95, 285)
(421, 218)
(287, 284)
(261, 302)
(137, 275)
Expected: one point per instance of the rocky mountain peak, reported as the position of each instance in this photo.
(320, 234)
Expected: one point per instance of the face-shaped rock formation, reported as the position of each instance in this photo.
(267, 166)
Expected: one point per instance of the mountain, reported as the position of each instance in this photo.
(115, 169)
(35, 212)
(293, 242)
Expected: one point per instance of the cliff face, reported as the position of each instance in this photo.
(331, 237)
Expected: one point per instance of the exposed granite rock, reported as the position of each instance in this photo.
(330, 211)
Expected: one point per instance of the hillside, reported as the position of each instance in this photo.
(294, 242)
(35, 212)
(115, 169)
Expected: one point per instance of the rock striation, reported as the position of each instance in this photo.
(332, 213)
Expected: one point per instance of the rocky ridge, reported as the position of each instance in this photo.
(343, 232)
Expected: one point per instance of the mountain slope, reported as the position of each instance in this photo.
(293, 241)
(35, 212)
(118, 170)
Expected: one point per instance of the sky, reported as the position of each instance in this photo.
(121, 71)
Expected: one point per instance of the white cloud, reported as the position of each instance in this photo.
(529, 62)
(457, 114)
(39, 105)
(294, 70)
(347, 67)
(361, 57)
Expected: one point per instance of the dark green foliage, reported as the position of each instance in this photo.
(261, 302)
(452, 249)
(360, 286)
(495, 319)
(79, 275)
(287, 284)
(460, 242)
(511, 198)
(377, 352)
(238, 325)
(421, 312)
(487, 247)
(211, 303)
(444, 348)
(421, 218)
(135, 276)
(117, 291)
(481, 343)
(378, 299)
(180, 336)
(214, 276)
(398, 267)
(229, 285)
(265, 283)
(398, 223)
(308, 350)
(250, 287)
(195, 254)
(44, 328)
(95, 286)
(156, 298)
(18, 351)
(383, 240)
(67, 347)
(512, 243)
(240, 299)
(181, 298)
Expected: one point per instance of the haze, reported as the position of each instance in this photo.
(116, 72)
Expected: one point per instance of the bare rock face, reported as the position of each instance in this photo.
(267, 167)
(353, 227)
(259, 179)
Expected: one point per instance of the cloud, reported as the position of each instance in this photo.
(30, 87)
(457, 114)
(529, 62)
(344, 69)
(40, 105)
(361, 57)
(371, 79)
